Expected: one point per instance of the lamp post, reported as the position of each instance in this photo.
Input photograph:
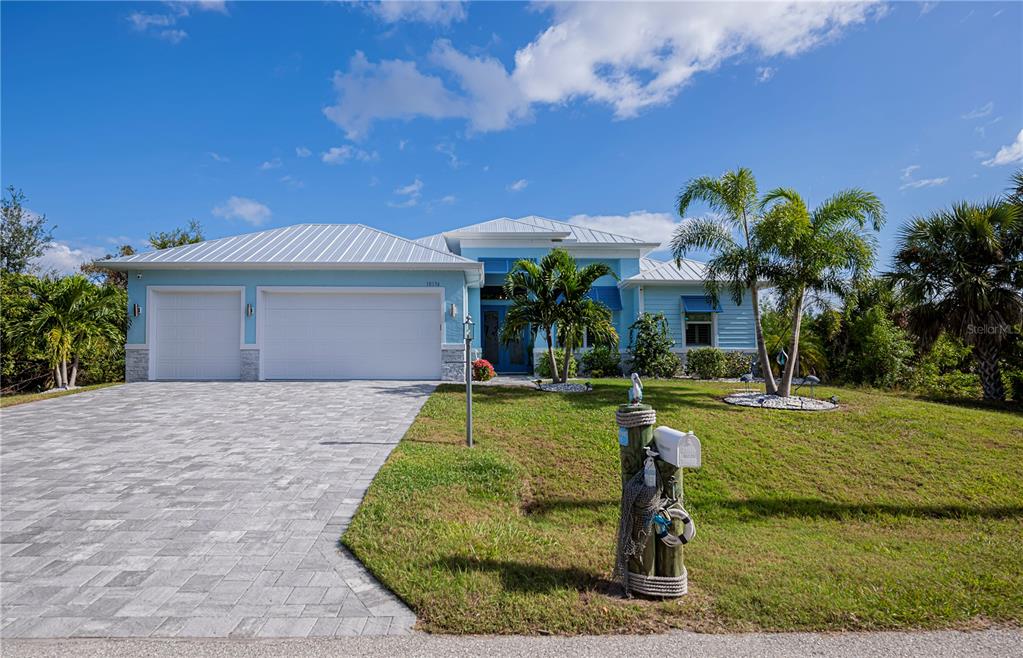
(468, 379)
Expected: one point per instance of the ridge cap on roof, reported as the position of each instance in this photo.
(595, 230)
(416, 244)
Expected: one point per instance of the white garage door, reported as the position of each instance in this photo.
(347, 335)
(196, 335)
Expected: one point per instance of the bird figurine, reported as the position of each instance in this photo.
(812, 381)
(746, 379)
(636, 390)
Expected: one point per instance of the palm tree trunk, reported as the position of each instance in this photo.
(568, 359)
(56, 377)
(990, 373)
(765, 358)
(785, 389)
(74, 372)
(63, 373)
(550, 356)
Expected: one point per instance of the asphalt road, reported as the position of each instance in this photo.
(947, 644)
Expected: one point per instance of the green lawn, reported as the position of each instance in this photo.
(889, 513)
(22, 398)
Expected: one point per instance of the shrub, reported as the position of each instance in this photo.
(602, 361)
(650, 346)
(944, 371)
(482, 370)
(543, 366)
(705, 363)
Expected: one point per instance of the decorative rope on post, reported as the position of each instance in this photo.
(637, 418)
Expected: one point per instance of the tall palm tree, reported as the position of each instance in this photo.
(69, 316)
(819, 251)
(961, 271)
(577, 312)
(737, 265)
(532, 288)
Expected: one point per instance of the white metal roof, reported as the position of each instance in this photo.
(301, 245)
(660, 271)
(437, 242)
(549, 228)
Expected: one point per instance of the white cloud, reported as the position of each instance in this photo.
(447, 200)
(160, 25)
(247, 210)
(219, 158)
(518, 185)
(340, 154)
(292, 182)
(765, 73)
(439, 13)
(628, 56)
(650, 226)
(65, 259)
(271, 164)
(174, 36)
(302, 152)
(402, 143)
(448, 149)
(142, 21)
(927, 7)
(980, 112)
(411, 194)
(911, 183)
(1008, 154)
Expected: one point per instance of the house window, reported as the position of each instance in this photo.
(699, 329)
(492, 292)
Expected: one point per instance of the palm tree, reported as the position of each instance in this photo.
(69, 316)
(811, 353)
(961, 271)
(534, 294)
(819, 251)
(738, 265)
(576, 311)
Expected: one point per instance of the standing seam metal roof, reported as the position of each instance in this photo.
(540, 225)
(691, 271)
(302, 244)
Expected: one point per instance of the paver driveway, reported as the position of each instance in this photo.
(195, 509)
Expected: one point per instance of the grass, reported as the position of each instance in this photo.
(23, 398)
(890, 513)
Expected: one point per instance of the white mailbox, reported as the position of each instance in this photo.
(681, 449)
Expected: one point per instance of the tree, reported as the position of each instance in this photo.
(534, 294)
(23, 234)
(577, 312)
(739, 265)
(819, 251)
(961, 272)
(69, 316)
(650, 346)
(778, 329)
(178, 236)
(106, 276)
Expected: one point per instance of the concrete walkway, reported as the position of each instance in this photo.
(195, 509)
(948, 644)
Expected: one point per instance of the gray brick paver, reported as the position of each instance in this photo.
(204, 507)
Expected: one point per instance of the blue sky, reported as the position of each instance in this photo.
(123, 119)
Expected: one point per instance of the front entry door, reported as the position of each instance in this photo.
(510, 358)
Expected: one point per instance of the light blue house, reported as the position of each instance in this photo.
(346, 301)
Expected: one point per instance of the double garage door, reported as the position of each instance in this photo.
(318, 334)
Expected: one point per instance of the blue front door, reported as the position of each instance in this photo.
(510, 358)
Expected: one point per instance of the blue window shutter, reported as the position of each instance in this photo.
(699, 304)
(609, 296)
(495, 265)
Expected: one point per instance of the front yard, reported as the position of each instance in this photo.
(890, 513)
(22, 398)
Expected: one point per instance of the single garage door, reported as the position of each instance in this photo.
(351, 335)
(196, 335)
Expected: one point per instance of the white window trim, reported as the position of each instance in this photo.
(713, 331)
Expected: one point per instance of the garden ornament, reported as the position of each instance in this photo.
(746, 379)
(663, 520)
(636, 392)
(782, 357)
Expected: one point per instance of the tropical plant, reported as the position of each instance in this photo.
(482, 370)
(602, 361)
(67, 317)
(23, 234)
(961, 272)
(944, 371)
(577, 312)
(737, 264)
(177, 237)
(544, 369)
(650, 344)
(812, 252)
(532, 289)
(811, 354)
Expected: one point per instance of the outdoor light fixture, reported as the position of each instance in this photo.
(136, 310)
(468, 379)
(452, 311)
(249, 310)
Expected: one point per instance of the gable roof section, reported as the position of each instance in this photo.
(662, 271)
(301, 245)
(543, 227)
